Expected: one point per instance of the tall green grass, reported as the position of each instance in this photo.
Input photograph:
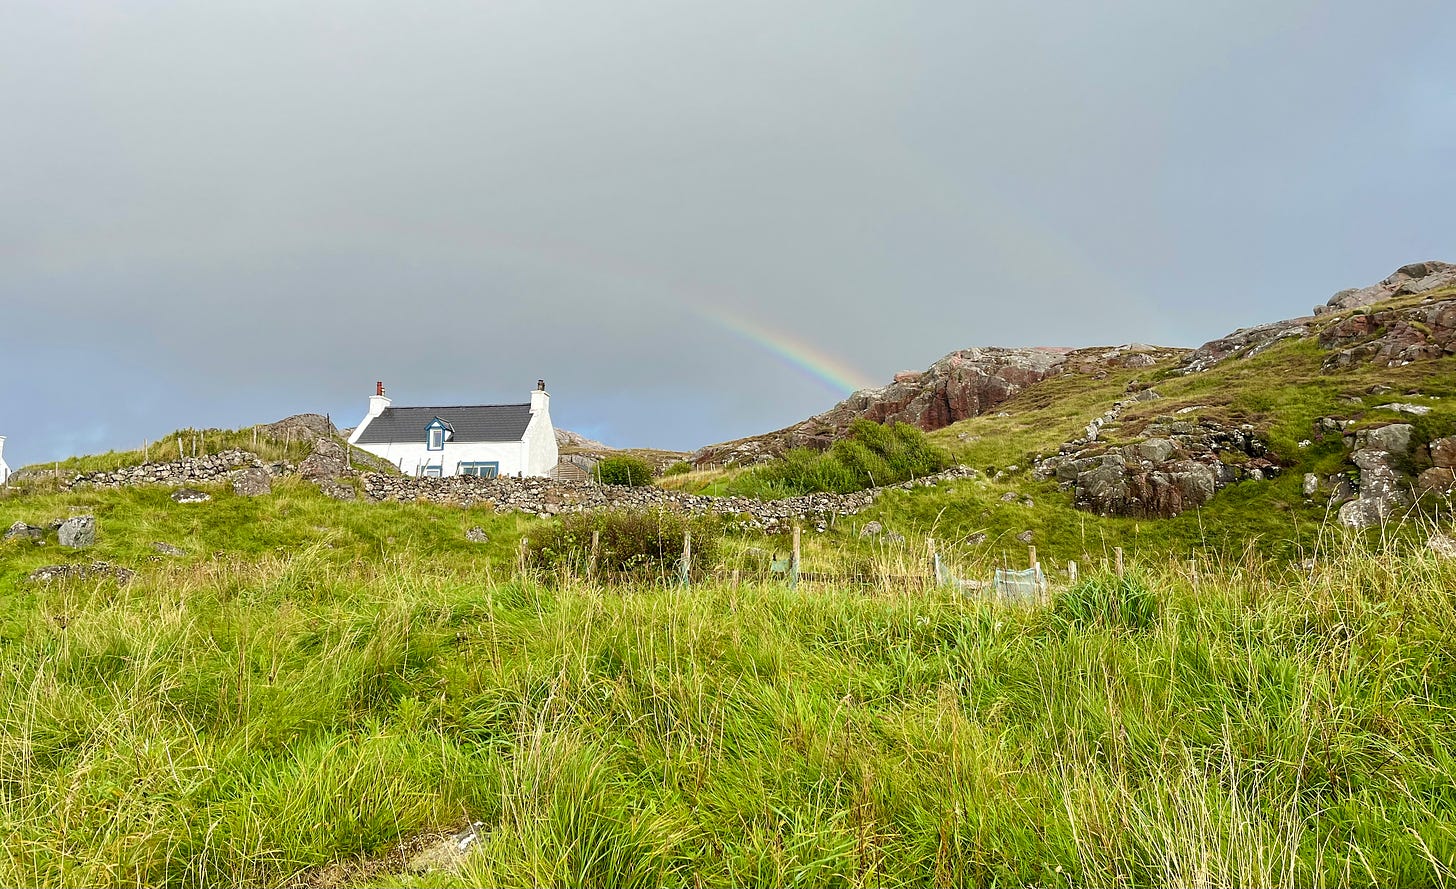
(264, 711)
(871, 454)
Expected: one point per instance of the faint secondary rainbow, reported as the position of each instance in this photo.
(815, 362)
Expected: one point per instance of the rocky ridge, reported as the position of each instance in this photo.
(963, 384)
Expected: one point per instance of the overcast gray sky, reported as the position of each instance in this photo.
(696, 220)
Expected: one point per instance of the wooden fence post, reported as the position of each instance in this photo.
(591, 565)
(521, 557)
(794, 565)
(735, 580)
(934, 561)
(1117, 552)
(687, 557)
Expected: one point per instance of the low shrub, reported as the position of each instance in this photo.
(624, 470)
(681, 467)
(632, 544)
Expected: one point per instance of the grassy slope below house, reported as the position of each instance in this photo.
(317, 682)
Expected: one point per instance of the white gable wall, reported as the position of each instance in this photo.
(4, 467)
(541, 452)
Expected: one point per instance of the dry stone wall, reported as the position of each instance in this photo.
(191, 470)
(546, 497)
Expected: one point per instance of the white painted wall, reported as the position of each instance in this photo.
(412, 457)
(4, 467)
(541, 452)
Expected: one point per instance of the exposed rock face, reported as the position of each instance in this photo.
(477, 535)
(1418, 277)
(1383, 492)
(1393, 336)
(252, 482)
(1244, 343)
(78, 532)
(963, 384)
(1175, 466)
(190, 495)
(168, 549)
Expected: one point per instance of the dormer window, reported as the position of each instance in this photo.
(436, 434)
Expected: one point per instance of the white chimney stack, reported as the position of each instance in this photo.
(540, 401)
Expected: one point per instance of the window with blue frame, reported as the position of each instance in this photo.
(480, 470)
(435, 436)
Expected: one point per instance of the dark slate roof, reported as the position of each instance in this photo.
(469, 422)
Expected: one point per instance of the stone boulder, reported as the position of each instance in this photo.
(477, 535)
(168, 549)
(252, 482)
(329, 460)
(22, 531)
(190, 495)
(78, 532)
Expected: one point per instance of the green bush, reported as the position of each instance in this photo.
(624, 470)
(636, 544)
(681, 467)
(871, 455)
(1105, 600)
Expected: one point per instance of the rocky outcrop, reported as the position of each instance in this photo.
(1245, 342)
(961, 385)
(546, 497)
(1174, 466)
(1382, 492)
(300, 427)
(1392, 337)
(1418, 277)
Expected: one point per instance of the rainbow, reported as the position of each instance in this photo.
(818, 364)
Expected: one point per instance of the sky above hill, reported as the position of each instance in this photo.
(695, 220)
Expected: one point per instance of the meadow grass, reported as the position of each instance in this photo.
(317, 683)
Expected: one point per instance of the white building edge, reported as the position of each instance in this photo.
(4, 467)
(483, 439)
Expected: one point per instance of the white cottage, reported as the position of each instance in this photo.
(485, 440)
(4, 467)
